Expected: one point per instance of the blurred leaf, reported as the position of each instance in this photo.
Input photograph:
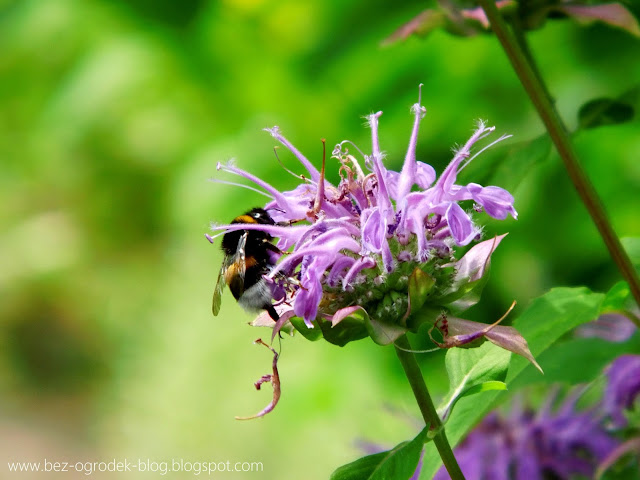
(530, 16)
(423, 24)
(612, 14)
(520, 160)
(616, 298)
(604, 111)
(546, 319)
(632, 247)
(578, 360)
(470, 369)
(508, 166)
(456, 21)
(399, 463)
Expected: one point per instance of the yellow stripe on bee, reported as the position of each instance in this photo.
(232, 270)
(244, 219)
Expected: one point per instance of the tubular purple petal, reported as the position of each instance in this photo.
(408, 173)
(313, 171)
(373, 124)
(280, 199)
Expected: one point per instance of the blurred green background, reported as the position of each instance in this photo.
(113, 115)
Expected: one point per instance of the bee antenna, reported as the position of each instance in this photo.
(320, 193)
(275, 152)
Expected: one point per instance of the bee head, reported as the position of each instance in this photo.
(260, 215)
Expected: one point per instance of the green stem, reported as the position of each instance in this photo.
(537, 92)
(431, 418)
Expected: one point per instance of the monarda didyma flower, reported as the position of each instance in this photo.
(375, 255)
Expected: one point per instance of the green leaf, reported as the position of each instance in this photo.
(578, 360)
(312, 334)
(520, 160)
(616, 298)
(632, 247)
(604, 111)
(351, 328)
(546, 319)
(398, 463)
(384, 333)
(488, 386)
(469, 369)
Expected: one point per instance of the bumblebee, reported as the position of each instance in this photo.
(246, 259)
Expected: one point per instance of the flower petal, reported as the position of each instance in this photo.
(461, 225)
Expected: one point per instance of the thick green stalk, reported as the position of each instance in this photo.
(414, 375)
(537, 92)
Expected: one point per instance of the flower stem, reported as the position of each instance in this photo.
(538, 94)
(431, 418)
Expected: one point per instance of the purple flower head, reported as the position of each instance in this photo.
(363, 256)
(533, 446)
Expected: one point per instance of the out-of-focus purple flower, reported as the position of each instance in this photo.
(622, 389)
(613, 327)
(363, 256)
(535, 446)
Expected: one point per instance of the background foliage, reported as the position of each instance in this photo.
(113, 115)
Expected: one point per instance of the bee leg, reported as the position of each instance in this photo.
(272, 312)
(270, 246)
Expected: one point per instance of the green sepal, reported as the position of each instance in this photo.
(420, 287)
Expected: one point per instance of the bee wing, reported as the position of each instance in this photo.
(238, 263)
(240, 258)
(217, 292)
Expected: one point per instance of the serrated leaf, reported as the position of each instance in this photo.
(470, 368)
(398, 463)
(546, 319)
